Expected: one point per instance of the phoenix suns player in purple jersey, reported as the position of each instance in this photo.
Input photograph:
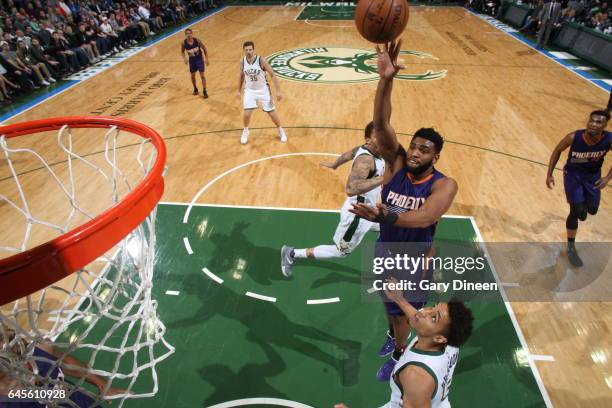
(198, 56)
(414, 195)
(582, 173)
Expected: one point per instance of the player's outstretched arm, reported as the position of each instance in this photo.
(418, 386)
(386, 139)
(358, 181)
(554, 158)
(343, 158)
(267, 68)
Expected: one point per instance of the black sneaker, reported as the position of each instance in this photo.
(574, 259)
(205, 94)
(195, 91)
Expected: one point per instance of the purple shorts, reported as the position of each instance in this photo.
(196, 64)
(580, 187)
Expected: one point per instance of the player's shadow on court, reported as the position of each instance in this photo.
(251, 380)
(494, 346)
(234, 252)
(265, 322)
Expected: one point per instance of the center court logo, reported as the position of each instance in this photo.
(336, 65)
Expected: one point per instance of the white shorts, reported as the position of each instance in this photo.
(253, 98)
(350, 230)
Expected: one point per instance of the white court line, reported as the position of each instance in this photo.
(261, 401)
(187, 245)
(562, 55)
(517, 328)
(539, 357)
(173, 292)
(510, 284)
(233, 169)
(261, 297)
(322, 301)
(307, 21)
(212, 275)
(372, 290)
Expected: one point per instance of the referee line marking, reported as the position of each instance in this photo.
(261, 297)
(187, 245)
(322, 301)
(212, 275)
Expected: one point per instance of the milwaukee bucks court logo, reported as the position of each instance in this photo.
(336, 65)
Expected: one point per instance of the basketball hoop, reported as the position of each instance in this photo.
(86, 290)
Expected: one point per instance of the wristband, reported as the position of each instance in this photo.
(390, 218)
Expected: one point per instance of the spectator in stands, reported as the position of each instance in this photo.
(25, 56)
(38, 54)
(59, 49)
(533, 20)
(85, 58)
(32, 72)
(86, 41)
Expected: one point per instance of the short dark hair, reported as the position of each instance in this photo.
(431, 135)
(601, 112)
(247, 43)
(461, 323)
(188, 31)
(369, 129)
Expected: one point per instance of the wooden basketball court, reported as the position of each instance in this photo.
(502, 108)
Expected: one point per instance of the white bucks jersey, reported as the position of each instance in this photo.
(254, 75)
(440, 365)
(373, 196)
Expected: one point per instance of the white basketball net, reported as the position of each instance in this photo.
(103, 315)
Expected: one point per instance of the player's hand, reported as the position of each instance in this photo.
(329, 165)
(395, 295)
(550, 182)
(238, 95)
(387, 59)
(279, 96)
(185, 61)
(602, 182)
(368, 212)
(207, 63)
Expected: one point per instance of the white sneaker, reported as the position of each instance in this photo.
(51, 79)
(245, 136)
(283, 135)
(45, 83)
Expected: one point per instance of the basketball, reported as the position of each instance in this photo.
(381, 21)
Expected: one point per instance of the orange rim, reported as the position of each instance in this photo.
(41, 266)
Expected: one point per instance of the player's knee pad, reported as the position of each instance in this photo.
(578, 211)
(571, 223)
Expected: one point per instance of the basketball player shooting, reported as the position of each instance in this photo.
(198, 56)
(414, 196)
(362, 186)
(253, 70)
(582, 174)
